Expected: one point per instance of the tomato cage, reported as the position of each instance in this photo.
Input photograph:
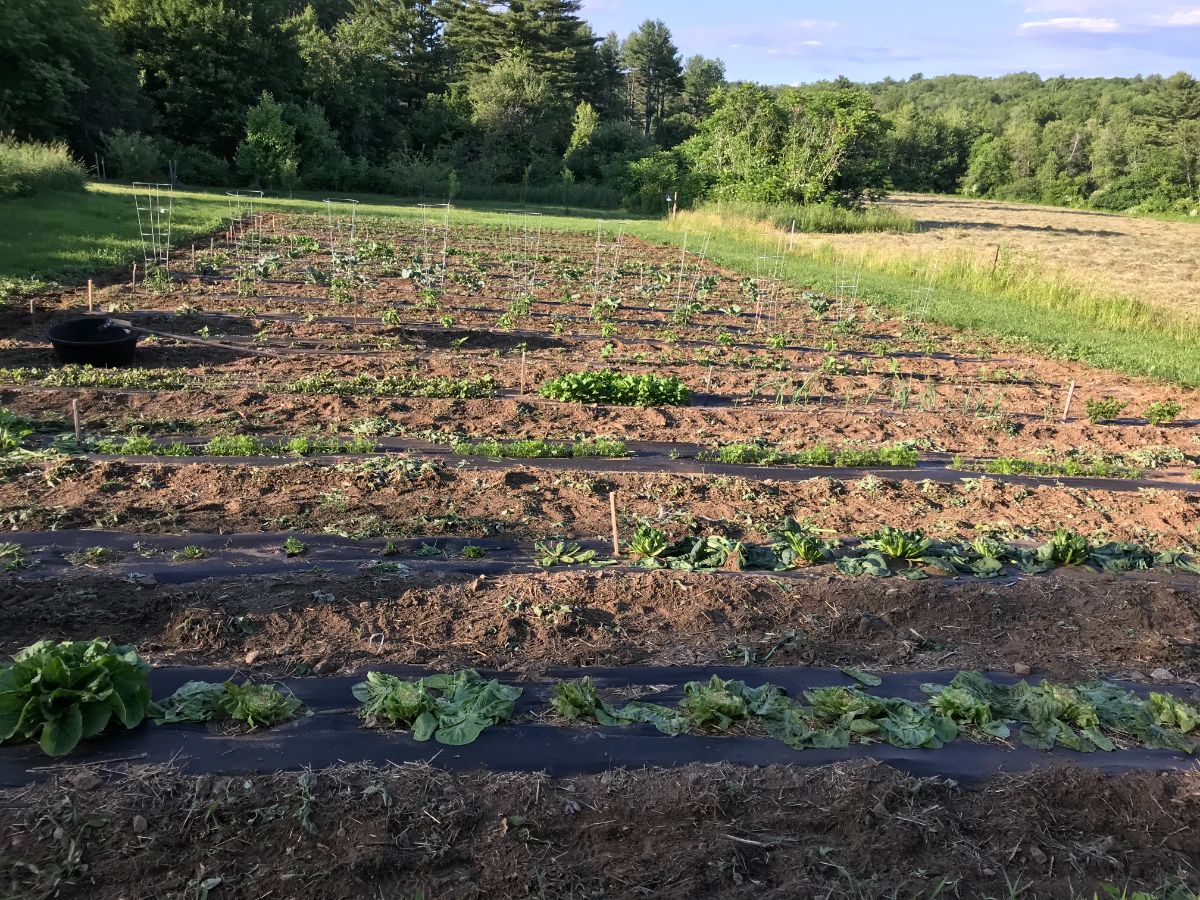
(154, 203)
(345, 280)
(245, 223)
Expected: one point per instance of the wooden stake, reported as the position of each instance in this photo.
(193, 257)
(31, 316)
(90, 299)
(612, 511)
(522, 373)
(78, 427)
(996, 259)
(1070, 397)
(708, 381)
(133, 282)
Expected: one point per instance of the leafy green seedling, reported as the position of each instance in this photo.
(294, 547)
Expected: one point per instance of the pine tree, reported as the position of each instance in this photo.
(655, 74)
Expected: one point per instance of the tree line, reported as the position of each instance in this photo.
(521, 99)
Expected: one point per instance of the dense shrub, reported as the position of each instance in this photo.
(134, 157)
(26, 168)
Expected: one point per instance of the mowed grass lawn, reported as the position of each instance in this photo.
(67, 237)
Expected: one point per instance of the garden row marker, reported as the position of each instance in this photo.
(522, 372)
(31, 319)
(133, 281)
(612, 511)
(89, 295)
(1070, 397)
(78, 427)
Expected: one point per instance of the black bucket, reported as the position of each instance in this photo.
(93, 342)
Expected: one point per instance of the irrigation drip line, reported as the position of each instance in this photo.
(645, 458)
(335, 736)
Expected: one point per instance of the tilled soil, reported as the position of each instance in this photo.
(357, 499)
(1073, 626)
(857, 830)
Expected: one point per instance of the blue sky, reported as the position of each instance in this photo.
(793, 42)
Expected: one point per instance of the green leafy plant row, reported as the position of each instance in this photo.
(614, 387)
(1086, 718)
(61, 693)
(225, 445)
(890, 551)
(540, 449)
(896, 456)
(1070, 468)
(434, 387)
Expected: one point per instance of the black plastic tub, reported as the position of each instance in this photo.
(93, 341)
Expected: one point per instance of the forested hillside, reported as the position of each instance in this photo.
(521, 100)
(1112, 143)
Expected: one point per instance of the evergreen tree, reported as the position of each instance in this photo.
(655, 74)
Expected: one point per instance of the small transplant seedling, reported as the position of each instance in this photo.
(253, 705)
(1104, 410)
(12, 556)
(562, 553)
(294, 547)
(906, 546)
(451, 709)
(93, 556)
(1163, 413)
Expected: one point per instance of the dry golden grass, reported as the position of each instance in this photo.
(1158, 262)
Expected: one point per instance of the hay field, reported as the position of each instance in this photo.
(1155, 261)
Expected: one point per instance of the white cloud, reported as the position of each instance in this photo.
(1074, 23)
(1183, 18)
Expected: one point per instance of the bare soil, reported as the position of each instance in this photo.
(1070, 625)
(857, 830)
(356, 500)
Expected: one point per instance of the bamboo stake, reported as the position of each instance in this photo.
(1070, 397)
(78, 426)
(612, 512)
(90, 299)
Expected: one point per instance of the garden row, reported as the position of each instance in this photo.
(59, 694)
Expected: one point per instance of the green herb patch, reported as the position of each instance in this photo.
(540, 449)
(225, 445)
(617, 388)
(1069, 468)
(897, 456)
(61, 693)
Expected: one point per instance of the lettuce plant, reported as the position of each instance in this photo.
(61, 693)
